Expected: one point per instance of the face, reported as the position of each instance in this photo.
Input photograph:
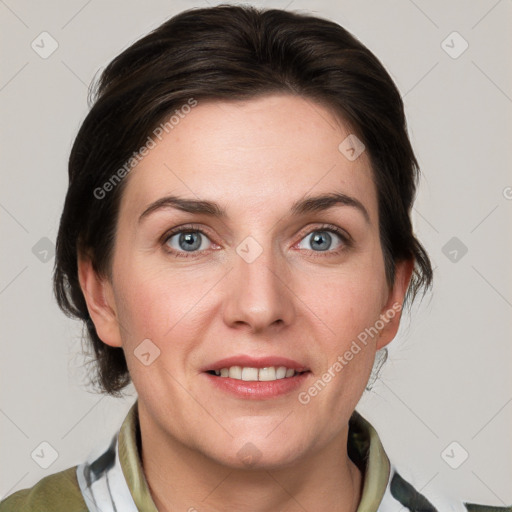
(227, 261)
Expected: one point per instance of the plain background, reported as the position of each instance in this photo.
(448, 377)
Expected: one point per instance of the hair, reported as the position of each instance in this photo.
(228, 53)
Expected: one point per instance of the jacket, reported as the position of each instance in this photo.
(115, 480)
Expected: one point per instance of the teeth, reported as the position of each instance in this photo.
(281, 372)
(249, 373)
(235, 372)
(256, 374)
(267, 373)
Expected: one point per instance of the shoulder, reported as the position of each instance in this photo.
(406, 495)
(54, 493)
(473, 507)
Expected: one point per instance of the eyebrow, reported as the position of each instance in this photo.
(302, 206)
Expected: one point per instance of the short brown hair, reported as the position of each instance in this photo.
(228, 53)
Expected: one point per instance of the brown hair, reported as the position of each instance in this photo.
(228, 53)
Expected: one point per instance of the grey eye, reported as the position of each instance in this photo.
(188, 242)
(320, 240)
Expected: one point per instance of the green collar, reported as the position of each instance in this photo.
(364, 448)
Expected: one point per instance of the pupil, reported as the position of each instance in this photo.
(192, 242)
(189, 241)
(323, 239)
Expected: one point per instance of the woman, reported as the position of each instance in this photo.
(236, 237)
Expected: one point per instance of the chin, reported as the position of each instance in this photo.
(259, 453)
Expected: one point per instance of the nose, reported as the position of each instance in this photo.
(258, 296)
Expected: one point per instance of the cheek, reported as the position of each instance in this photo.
(158, 318)
(148, 308)
(350, 311)
(347, 304)
(155, 302)
(347, 300)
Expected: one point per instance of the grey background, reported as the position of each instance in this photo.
(448, 377)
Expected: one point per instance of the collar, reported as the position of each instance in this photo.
(364, 448)
(116, 480)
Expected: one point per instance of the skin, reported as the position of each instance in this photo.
(254, 158)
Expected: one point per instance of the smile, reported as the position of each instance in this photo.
(247, 373)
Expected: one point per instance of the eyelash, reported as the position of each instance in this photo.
(346, 240)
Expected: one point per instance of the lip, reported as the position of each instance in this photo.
(257, 390)
(255, 362)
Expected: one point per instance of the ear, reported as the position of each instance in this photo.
(99, 296)
(392, 310)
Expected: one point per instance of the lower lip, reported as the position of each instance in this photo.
(258, 390)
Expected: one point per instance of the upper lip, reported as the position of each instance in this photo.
(255, 362)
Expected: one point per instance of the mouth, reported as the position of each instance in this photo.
(251, 374)
(256, 378)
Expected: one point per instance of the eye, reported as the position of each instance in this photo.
(330, 240)
(187, 241)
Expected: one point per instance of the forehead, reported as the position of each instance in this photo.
(260, 153)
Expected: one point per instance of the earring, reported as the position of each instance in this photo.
(381, 357)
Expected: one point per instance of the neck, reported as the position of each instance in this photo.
(181, 478)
